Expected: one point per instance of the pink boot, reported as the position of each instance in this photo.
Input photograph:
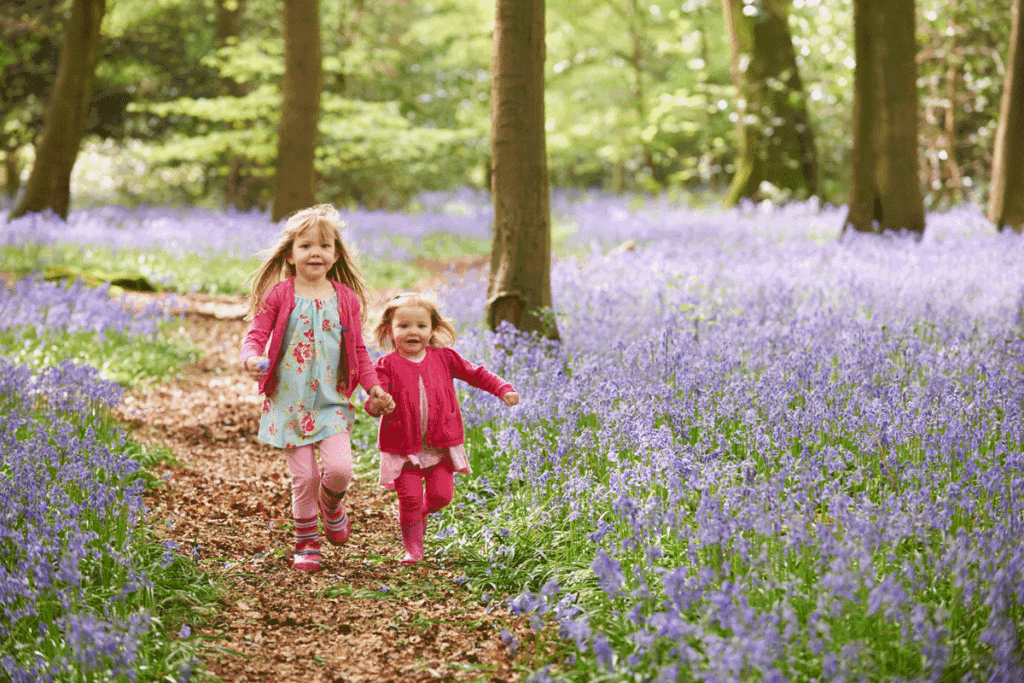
(412, 539)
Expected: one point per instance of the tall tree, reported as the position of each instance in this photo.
(49, 184)
(297, 136)
(519, 287)
(776, 139)
(885, 193)
(228, 34)
(1006, 202)
(239, 189)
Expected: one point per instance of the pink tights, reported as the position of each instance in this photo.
(415, 504)
(336, 460)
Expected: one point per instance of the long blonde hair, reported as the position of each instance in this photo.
(276, 268)
(443, 333)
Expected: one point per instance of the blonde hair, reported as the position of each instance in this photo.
(443, 333)
(276, 268)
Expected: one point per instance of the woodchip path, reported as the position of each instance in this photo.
(363, 617)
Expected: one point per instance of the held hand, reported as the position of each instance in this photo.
(510, 399)
(257, 366)
(374, 406)
(382, 401)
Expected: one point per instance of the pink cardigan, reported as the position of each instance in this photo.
(399, 432)
(272, 317)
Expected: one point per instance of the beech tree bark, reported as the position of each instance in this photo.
(297, 135)
(228, 33)
(776, 140)
(885, 193)
(519, 287)
(1006, 201)
(49, 184)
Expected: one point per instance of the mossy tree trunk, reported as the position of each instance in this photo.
(776, 140)
(1006, 202)
(49, 184)
(885, 194)
(519, 288)
(297, 135)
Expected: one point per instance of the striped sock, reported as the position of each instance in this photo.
(334, 514)
(307, 545)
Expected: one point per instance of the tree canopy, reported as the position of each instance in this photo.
(639, 95)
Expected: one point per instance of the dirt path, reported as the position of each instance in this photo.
(363, 617)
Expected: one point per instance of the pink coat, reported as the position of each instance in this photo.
(271, 321)
(399, 431)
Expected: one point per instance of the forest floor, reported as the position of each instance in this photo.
(364, 616)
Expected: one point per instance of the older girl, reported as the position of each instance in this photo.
(307, 300)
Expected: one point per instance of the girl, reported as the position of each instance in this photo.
(308, 298)
(421, 443)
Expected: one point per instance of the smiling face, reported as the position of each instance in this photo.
(411, 329)
(312, 254)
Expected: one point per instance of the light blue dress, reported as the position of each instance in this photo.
(307, 406)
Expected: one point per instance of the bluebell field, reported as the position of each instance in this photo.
(68, 572)
(76, 595)
(760, 451)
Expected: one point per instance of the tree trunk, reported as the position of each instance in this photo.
(519, 287)
(49, 184)
(776, 140)
(12, 173)
(297, 135)
(240, 190)
(886, 189)
(1006, 202)
(228, 33)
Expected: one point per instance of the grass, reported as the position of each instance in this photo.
(158, 270)
(118, 357)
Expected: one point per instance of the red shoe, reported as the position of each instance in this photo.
(307, 558)
(337, 525)
(338, 531)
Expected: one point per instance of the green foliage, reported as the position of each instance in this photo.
(122, 358)
(639, 97)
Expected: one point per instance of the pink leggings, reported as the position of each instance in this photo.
(336, 459)
(413, 505)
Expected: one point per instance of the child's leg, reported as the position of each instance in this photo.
(305, 483)
(336, 458)
(440, 484)
(409, 487)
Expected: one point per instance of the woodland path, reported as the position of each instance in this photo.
(364, 616)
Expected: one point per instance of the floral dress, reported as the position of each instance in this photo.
(307, 406)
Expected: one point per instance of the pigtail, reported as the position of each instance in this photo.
(444, 333)
(382, 332)
(274, 269)
(349, 274)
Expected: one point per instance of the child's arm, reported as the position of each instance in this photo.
(365, 367)
(256, 338)
(380, 401)
(480, 377)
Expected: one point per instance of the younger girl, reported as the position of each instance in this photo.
(421, 442)
(307, 299)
